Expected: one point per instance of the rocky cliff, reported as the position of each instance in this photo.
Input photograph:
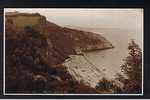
(36, 49)
(72, 39)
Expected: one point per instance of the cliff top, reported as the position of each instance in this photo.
(14, 14)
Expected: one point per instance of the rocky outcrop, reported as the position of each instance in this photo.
(83, 70)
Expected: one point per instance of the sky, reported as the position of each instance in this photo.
(99, 18)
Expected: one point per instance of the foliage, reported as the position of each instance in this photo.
(133, 69)
(30, 70)
(34, 33)
(107, 86)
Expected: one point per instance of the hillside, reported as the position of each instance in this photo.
(36, 49)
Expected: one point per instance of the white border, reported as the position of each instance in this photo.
(141, 94)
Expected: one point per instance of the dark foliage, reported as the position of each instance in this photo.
(107, 86)
(29, 69)
(133, 69)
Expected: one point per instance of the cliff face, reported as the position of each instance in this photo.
(87, 41)
(68, 40)
(35, 50)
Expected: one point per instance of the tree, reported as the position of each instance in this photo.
(133, 69)
(108, 86)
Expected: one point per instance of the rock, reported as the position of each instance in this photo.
(79, 67)
(56, 77)
(39, 78)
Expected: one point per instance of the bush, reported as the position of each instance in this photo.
(133, 69)
(34, 33)
(107, 86)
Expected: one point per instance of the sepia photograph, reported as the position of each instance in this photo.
(83, 51)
